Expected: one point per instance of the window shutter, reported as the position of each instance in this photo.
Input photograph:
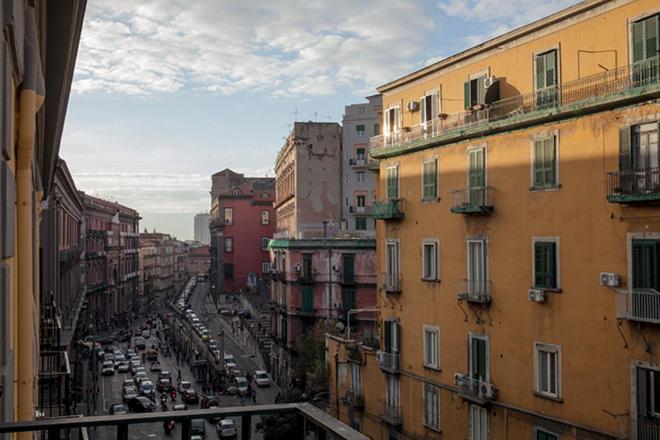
(481, 90)
(552, 265)
(540, 72)
(539, 265)
(538, 163)
(388, 336)
(435, 105)
(467, 99)
(386, 121)
(397, 338)
(643, 391)
(651, 37)
(638, 41)
(551, 69)
(422, 112)
(625, 156)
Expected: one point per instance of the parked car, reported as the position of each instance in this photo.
(142, 404)
(128, 383)
(183, 386)
(230, 366)
(198, 427)
(108, 357)
(229, 358)
(205, 335)
(129, 393)
(108, 368)
(209, 402)
(261, 378)
(242, 385)
(226, 428)
(190, 396)
(123, 367)
(118, 409)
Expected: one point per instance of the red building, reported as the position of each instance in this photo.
(242, 223)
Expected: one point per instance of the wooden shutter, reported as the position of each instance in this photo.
(467, 99)
(481, 90)
(540, 72)
(643, 396)
(422, 110)
(645, 264)
(638, 51)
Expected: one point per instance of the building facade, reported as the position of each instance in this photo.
(202, 228)
(516, 239)
(360, 123)
(111, 261)
(164, 266)
(199, 260)
(38, 55)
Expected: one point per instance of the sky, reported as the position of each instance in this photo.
(167, 92)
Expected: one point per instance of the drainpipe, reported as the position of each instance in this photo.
(27, 300)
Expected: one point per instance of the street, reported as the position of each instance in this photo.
(110, 391)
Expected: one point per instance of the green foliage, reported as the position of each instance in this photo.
(281, 426)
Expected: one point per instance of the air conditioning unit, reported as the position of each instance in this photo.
(487, 390)
(489, 81)
(412, 106)
(297, 268)
(459, 378)
(537, 295)
(609, 279)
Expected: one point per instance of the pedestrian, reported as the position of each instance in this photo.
(178, 376)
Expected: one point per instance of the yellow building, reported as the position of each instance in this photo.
(519, 239)
(37, 58)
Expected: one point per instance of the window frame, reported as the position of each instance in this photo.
(398, 182)
(435, 275)
(547, 348)
(431, 389)
(427, 328)
(538, 429)
(395, 264)
(556, 241)
(631, 22)
(365, 223)
(231, 216)
(532, 172)
(359, 132)
(428, 197)
(265, 215)
(265, 248)
(229, 249)
(472, 336)
(360, 177)
(480, 411)
(265, 266)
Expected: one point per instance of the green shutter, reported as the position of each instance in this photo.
(651, 37)
(476, 177)
(646, 264)
(638, 41)
(349, 268)
(545, 265)
(392, 183)
(307, 300)
(467, 99)
(540, 72)
(481, 90)
(430, 179)
(348, 301)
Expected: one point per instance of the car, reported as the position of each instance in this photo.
(118, 409)
(129, 393)
(229, 358)
(231, 389)
(130, 354)
(198, 427)
(183, 386)
(142, 375)
(108, 368)
(205, 335)
(123, 367)
(226, 428)
(155, 366)
(164, 374)
(164, 385)
(261, 378)
(209, 402)
(140, 369)
(213, 344)
(242, 385)
(108, 357)
(180, 407)
(216, 354)
(128, 383)
(119, 356)
(236, 372)
(190, 396)
(140, 343)
(147, 389)
(195, 320)
(142, 404)
(133, 366)
(230, 366)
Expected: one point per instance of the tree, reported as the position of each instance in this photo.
(281, 426)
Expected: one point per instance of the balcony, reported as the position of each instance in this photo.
(358, 162)
(637, 186)
(629, 83)
(306, 311)
(305, 277)
(472, 201)
(360, 209)
(390, 282)
(474, 390)
(391, 209)
(474, 291)
(641, 305)
(391, 414)
(390, 362)
(354, 398)
(310, 422)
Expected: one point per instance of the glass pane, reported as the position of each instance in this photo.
(543, 373)
(552, 359)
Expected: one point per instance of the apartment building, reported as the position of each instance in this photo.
(359, 124)
(38, 55)
(199, 260)
(164, 267)
(517, 239)
(111, 261)
(242, 223)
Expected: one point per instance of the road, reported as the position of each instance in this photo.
(111, 386)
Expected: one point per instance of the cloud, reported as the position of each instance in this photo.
(223, 46)
(513, 13)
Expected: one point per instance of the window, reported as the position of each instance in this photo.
(285, 335)
(648, 392)
(376, 129)
(477, 267)
(477, 177)
(361, 110)
(360, 200)
(474, 92)
(360, 223)
(236, 192)
(542, 434)
(283, 290)
(348, 302)
(478, 358)
(646, 264)
(639, 155)
(264, 243)
(393, 182)
(431, 344)
(544, 162)
(360, 176)
(265, 217)
(393, 400)
(307, 300)
(478, 423)
(229, 244)
(392, 265)
(645, 39)
(307, 265)
(547, 366)
(431, 406)
(545, 264)
(392, 336)
(229, 216)
(430, 260)
(348, 265)
(356, 378)
(430, 109)
(229, 271)
(359, 129)
(360, 153)
(265, 267)
(546, 79)
(430, 179)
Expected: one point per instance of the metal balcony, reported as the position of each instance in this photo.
(358, 162)
(636, 186)
(391, 414)
(641, 305)
(391, 209)
(472, 201)
(625, 81)
(390, 362)
(474, 390)
(360, 209)
(474, 291)
(390, 282)
(354, 398)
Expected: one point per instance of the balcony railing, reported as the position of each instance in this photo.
(474, 291)
(310, 421)
(474, 390)
(355, 398)
(391, 413)
(305, 277)
(633, 186)
(569, 95)
(641, 428)
(641, 305)
(358, 162)
(390, 209)
(472, 200)
(390, 362)
(390, 282)
(360, 209)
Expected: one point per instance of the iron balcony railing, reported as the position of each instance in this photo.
(476, 200)
(389, 361)
(390, 282)
(475, 390)
(474, 291)
(358, 162)
(355, 398)
(581, 91)
(310, 422)
(360, 209)
(391, 413)
(641, 305)
(633, 185)
(640, 428)
(387, 209)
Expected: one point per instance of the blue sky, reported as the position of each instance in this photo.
(167, 92)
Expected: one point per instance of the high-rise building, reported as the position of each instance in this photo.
(202, 228)
(519, 239)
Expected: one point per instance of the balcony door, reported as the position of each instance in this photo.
(430, 108)
(391, 125)
(478, 368)
(546, 80)
(477, 177)
(644, 299)
(392, 264)
(392, 336)
(645, 157)
(477, 267)
(648, 403)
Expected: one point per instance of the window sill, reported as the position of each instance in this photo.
(544, 188)
(548, 289)
(426, 200)
(431, 280)
(549, 397)
(432, 368)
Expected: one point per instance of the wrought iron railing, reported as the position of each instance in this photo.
(639, 428)
(476, 291)
(580, 91)
(387, 209)
(389, 361)
(474, 200)
(358, 162)
(641, 305)
(391, 413)
(476, 390)
(360, 209)
(390, 282)
(643, 182)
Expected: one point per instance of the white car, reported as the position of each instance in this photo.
(261, 378)
(108, 368)
(242, 385)
(226, 428)
(229, 358)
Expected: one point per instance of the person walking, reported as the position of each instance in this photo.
(178, 376)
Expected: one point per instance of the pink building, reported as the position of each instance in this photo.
(199, 260)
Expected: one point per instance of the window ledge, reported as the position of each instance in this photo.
(548, 289)
(431, 367)
(426, 200)
(544, 188)
(546, 396)
(431, 280)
